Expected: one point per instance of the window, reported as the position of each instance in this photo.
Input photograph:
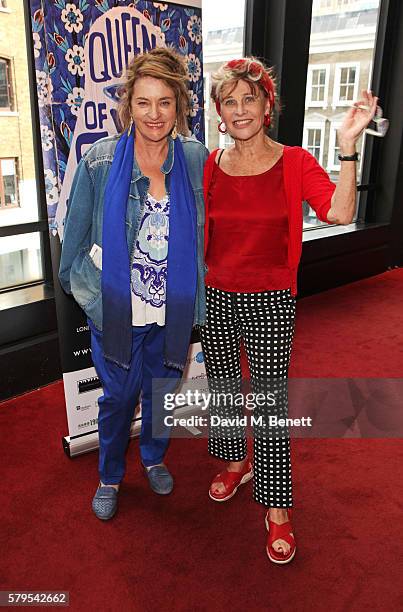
(223, 34)
(6, 97)
(333, 162)
(318, 85)
(346, 84)
(20, 260)
(341, 47)
(314, 136)
(23, 219)
(314, 142)
(8, 183)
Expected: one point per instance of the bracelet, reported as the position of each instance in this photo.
(354, 157)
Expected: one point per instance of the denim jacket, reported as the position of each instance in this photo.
(78, 274)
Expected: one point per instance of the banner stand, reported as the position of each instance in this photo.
(74, 446)
(81, 52)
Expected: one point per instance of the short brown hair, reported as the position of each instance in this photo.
(248, 69)
(164, 64)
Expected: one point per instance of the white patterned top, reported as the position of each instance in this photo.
(149, 268)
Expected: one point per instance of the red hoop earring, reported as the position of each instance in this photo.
(267, 120)
(222, 128)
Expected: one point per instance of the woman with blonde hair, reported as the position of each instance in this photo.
(253, 239)
(132, 257)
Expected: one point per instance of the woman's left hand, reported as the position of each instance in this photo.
(356, 119)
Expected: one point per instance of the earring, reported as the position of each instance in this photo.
(174, 133)
(267, 120)
(130, 126)
(222, 128)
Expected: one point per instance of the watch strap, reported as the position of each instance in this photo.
(354, 157)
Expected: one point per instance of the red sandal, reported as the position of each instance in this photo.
(277, 532)
(231, 482)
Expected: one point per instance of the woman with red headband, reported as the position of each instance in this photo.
(253, 238)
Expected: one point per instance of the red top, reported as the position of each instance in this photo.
(303, 179)
(248, 232)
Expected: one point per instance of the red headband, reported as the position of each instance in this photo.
(260, 76)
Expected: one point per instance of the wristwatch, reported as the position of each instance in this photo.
(354, 157)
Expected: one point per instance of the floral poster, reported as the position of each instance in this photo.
(78, 71)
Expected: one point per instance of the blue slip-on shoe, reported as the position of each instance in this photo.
(105, 502)
(160, 479)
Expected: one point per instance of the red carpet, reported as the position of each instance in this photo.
(186, 553)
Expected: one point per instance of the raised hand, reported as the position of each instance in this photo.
(356, 119)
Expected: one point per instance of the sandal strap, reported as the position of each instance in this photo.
(228, 479)
(281, 532)
(231, 479)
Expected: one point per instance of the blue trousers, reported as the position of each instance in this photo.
(121, 393)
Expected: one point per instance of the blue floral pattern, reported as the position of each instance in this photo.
(149, 268)
(59, 31)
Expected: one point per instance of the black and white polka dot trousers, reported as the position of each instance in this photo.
(265, 322)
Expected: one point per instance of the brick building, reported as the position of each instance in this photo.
(19, 255)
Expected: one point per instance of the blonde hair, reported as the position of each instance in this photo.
(248, 69)
(164, 64)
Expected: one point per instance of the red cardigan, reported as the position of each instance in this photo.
(304, 179)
